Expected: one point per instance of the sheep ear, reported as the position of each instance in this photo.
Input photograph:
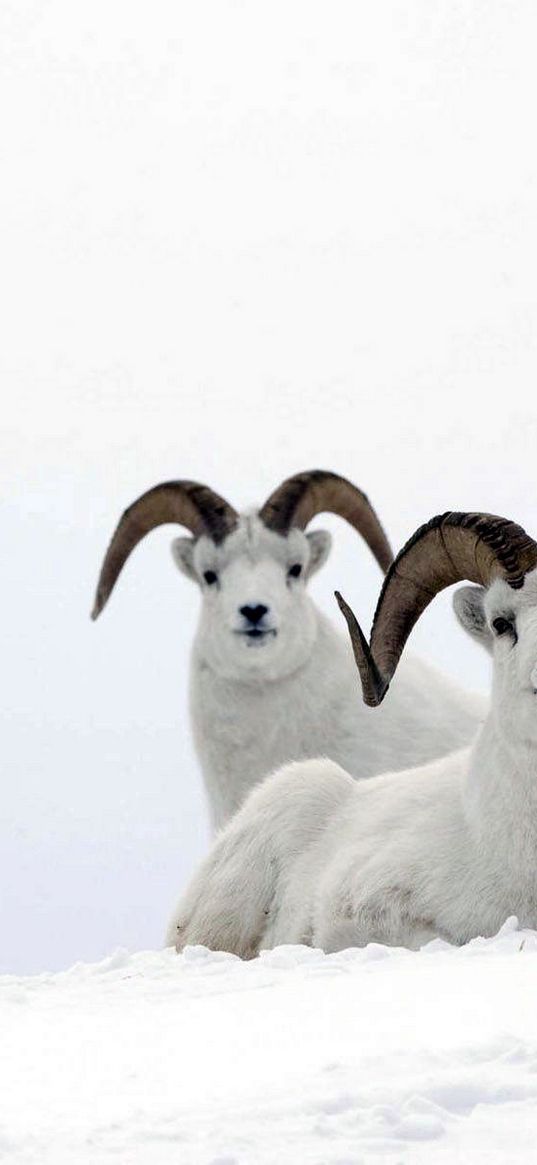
(183, 555)
(470, 611)
(320, 542)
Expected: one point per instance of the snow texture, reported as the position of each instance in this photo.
(236, 241)
(368, 1055)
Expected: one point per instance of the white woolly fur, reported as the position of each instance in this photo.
(291, 691)
(444, 849)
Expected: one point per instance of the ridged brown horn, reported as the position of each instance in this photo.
(448, 549)
(188, 503)
(298, 499)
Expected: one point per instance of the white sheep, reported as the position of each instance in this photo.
(271, 678)
(444, 850)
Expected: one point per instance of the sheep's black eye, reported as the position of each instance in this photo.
(296, 570)
(503, 626)
(210, 577)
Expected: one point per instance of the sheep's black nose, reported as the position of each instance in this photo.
(254, 614)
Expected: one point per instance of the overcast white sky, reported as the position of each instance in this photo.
(236, 242)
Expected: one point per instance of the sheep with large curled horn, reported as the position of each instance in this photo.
(445, 849)
(271, 679)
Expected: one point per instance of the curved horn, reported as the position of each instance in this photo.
(190, 504)
(449, 548)
(298, 499)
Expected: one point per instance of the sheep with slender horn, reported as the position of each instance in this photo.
(443, 850)
(271, 679)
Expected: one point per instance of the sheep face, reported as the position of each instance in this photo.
(505, 620)
(257, 619)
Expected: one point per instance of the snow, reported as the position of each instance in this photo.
(237, 242)
(367, 1055)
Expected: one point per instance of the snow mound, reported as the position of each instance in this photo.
(361, 1056)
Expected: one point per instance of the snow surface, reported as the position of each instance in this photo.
(347, 1059)
(236, 241)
